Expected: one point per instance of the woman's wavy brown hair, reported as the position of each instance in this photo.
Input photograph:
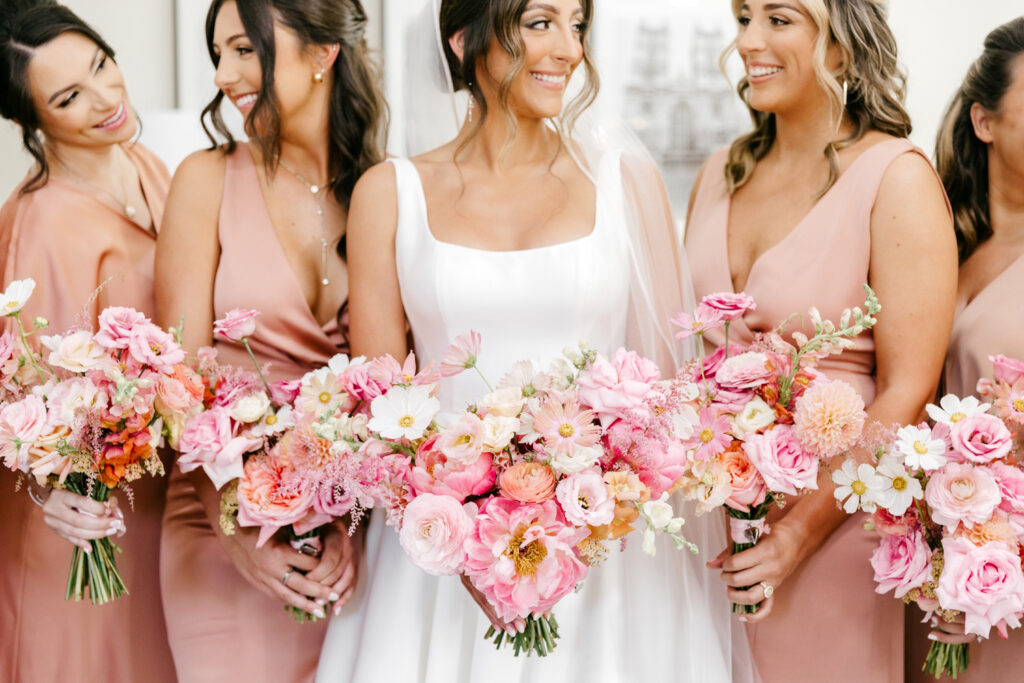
(876, 85)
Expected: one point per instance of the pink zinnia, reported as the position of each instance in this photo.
(829, 418)
(565, 426)
(710, 436)
(461, 355)
(704, 318)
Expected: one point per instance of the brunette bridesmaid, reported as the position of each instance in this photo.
(258, 226)
(826, 194)
(980, 156)
(83, 225)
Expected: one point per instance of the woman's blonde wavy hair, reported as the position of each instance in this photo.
(876, 85)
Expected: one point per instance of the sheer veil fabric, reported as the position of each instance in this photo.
(672, 618)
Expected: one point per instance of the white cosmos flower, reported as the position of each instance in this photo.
(858, 485)
(16, 295)
(919, 449)
(899, 489)
(403, 412)
(684, 421)
(952, 409)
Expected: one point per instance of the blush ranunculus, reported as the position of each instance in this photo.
(981, 438)
(236, 324)
(333, 500)
(961, 493)
(527, 482)
(615, 387)
(268, 498)
(434, 531)
(434, 473)
(784, 464)
(21, 423)
(985, 583)
(731, 306)
(748, 487)
(115, 326)
(1009, 370)
(585, 499)
(745, 371)
(902, 563)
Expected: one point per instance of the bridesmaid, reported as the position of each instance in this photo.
(258, 226)
(980, 156)
(85, 215)
(826, 194)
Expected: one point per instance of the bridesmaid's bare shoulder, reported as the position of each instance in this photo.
(374, 205)
(193, 202)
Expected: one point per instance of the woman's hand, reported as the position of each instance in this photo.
(81, 519)
(768, 563)
(488, 609)
(338, 567)
(950, 632)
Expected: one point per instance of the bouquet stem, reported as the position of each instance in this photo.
(745, 530)
(96, 571)
(947, 660)
(301, 615)
(537, 637)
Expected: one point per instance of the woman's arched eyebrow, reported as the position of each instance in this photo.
(62, 91)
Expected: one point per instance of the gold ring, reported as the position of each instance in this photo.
(769, 590)
(287, 575)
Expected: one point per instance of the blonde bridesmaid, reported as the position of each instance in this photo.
(258, 226)
(980, 156)
(826, 194)
(85, 217)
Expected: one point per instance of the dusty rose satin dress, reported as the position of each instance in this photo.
(828, 624)
(70, 243)
(221, 627)
(982, 328)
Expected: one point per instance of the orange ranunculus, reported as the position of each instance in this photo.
(528, 482)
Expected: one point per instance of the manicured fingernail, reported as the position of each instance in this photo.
(87, 549)
(112, 530)
(337, 610)
(743, 619)
(932, 636)
(321, 602)
(318, 613)
(334, 597)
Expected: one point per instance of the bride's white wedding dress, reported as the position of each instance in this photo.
(635, 618)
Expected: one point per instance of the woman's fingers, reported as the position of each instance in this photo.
(762, 612)
(290, 597)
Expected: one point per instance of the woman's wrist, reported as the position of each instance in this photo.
(38, 493)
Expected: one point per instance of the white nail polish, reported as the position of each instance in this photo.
(321, 602)
(334, 597)
(318, 613)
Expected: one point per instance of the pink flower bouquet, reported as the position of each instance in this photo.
(948, 502)
(756, 422)
(83, 411)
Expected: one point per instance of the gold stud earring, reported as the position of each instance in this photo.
(318, 77)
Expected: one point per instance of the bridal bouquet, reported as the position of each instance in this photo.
(278, 451)
(82, 411)
(948, 502)
(519, 492)
(756, 421)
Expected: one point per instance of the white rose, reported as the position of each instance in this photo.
(581, 458)
(498, 432)
(251, 408)
(507, 402)
(74, 351)
(756, 415)
(658, 512)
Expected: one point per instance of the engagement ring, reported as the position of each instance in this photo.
(769, 590)
(287, 575)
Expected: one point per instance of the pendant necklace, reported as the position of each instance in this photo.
(122, 203)
(316, 190)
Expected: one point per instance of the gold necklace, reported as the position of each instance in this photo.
(316, 190)
(127, 209)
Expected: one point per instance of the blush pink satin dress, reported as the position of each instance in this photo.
(71, 243)
(220, 626)
(828, 624)
(982, 328)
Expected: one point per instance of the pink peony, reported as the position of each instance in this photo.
(730, 306)
(151, 346)
(528, 482)
(207, 441)
(902, 562)
(829, 418)
(962, 493)
(985, 583)
(1009, 370)
(784, 464)
(116, 324)
(748, 487)
(888, 524)
(981, 438)
(523, 557)
(613, 388)
(585, 500)
(21, 423)
(237, 324)
(269, 498)
(434, 531)
(745, 371)
(434, 473)
(461, 354)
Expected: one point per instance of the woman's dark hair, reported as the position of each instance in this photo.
(962, 159)
(358, 114)
(24, 27)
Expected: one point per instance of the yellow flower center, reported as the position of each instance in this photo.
(956, 417)
(324, 397)
(899, 483)
(271, 420)
(1018, 405)
(406, 421)
(706, 435)
(859, 487)
(463, 440)
(528, 391)
(407, 377)
(566, 430)
(920, 447)
(526, 558)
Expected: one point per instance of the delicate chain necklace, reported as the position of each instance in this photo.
(122, 203)
(316, 190)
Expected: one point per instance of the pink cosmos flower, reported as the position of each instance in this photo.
(21, 423)
(267, 500)
(115, 326)
(704, 318)
(1009, 401)
(434, 531)
(730, 306)
(962, 493)
(1009, 370)
(745, 371)
(785, 465)
(150, 346)
(829, 418)
(585, 499)
(461, 354)
(981, 438)
(237, 324)
(710, 436)
(523, 557)
(614, 388)
(985, 583)
(434, 473)
(902, 563)
(565, 426)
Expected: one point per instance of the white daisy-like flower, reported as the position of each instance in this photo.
(952, 409)
(858, 486)
(403, 412)
(274, 423)
(899, 489)
(684, 421)
(920, 451)
(16, 296)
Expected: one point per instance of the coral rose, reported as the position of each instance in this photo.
(269, 498)
(748, 487)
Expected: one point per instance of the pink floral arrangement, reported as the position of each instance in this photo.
(757, 422)
(948, 502)
(83, 410)
(521, 491)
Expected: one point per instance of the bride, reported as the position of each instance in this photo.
(536, 231)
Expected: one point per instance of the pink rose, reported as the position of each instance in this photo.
(731, 306)
(361, 384)
(745, 371)
(584, 499)
(116, 324)
(748, 487)
(434, 473)
(985, 583)
(151, 346)
(434, 531)
(1011, 485)
(962, 493)
(614, 388)
(270, 498)
(522, 557)
(207, 441)
(237, 324)
(284, 392)
(888, 524)
(1009, 370)
(528, 482)
(714, 361)
(902, 562)
(333, 500)
(173, 394)
(21, 423)
(981, 438)
(785, 466)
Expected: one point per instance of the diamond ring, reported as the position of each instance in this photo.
(769, 590)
